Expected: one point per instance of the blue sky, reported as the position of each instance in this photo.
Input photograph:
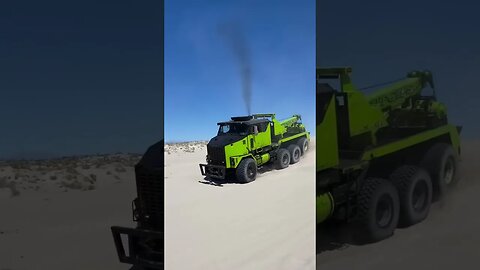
(80, 77)
(202, 77)
(383, 40)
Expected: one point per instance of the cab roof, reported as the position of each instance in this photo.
(245, 122)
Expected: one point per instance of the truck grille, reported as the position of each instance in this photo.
(150, 194)
(216, 155)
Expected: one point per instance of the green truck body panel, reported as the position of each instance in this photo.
(383, 150)
(236, 151)
(293, 137)
(261, 140)
(326, 136)
(350, 122)
(363, 118)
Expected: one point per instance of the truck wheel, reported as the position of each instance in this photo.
(247, 170)
(415, 192)
(303, 143)
(283, 158)
(295, 153)
(378, 210)
(441, 163)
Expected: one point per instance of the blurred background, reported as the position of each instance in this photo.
(382, 41)
(80, 77)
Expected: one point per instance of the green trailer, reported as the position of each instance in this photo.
(383, 157)
(246, 143)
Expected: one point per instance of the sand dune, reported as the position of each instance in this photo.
(265, 224)
(448, 239)
(185, 147)
(56, 214)
(70, 173)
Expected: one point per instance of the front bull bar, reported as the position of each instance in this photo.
(214, 171)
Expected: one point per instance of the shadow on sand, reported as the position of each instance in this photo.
(231, 179)
(333, 236)
(218, 182)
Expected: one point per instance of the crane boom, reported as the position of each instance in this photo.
(396, 94)
(290, 121)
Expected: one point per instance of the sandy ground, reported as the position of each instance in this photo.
(266, 224)
(448, 239)
(57, 214)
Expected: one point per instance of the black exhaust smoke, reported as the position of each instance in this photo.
(235, 39)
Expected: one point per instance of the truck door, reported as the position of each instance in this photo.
(252, 137)
(262, 136)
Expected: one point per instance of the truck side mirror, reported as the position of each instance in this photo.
(255, 130)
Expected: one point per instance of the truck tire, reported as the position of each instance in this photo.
(295, 153)
(303, 144)
(441, 163)
(415, 193)
(378, 210)
(283, 159)
(246, 171)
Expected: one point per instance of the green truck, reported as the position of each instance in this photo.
(245, 143)
(384, 157)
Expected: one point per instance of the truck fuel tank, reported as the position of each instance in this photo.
(324, 206)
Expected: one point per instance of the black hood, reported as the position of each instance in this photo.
(221, 141)
(153, 157)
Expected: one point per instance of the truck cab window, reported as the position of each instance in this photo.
(233, 129)
(223, 129)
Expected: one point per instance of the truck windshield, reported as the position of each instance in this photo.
(234, 129)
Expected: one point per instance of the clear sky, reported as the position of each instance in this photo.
(203, 83)
(80, 77)
(382, 40)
